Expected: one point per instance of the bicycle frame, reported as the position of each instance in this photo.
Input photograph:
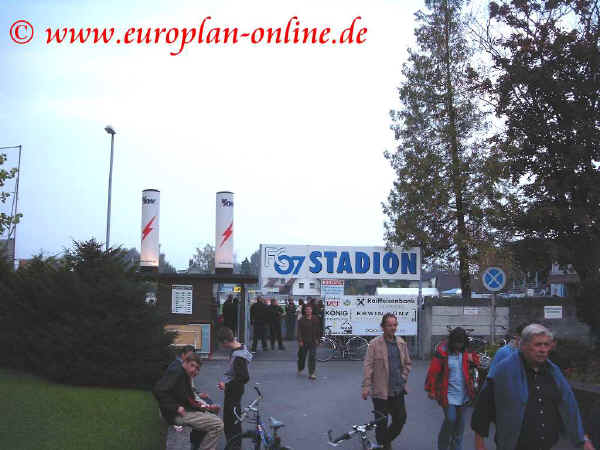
(260, 435)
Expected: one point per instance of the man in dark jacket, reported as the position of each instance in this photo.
(290, 319)
(258, 319)
(234, 379)
(309, 335)
(178, 405)
(275, 313)
(229, 313)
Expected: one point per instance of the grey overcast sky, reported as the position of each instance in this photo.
(297, 132)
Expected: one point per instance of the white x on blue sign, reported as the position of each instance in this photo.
(493, 279)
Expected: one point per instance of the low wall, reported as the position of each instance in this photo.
(436, 314)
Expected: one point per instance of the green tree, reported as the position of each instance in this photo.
(547, 87)
(203, 261)
(446, 194)
(6, 220)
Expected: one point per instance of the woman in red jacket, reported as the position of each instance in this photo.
(450, 383)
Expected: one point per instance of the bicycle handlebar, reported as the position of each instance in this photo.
(250, 407)
(348, 435)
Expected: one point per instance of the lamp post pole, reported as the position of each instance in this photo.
(110, 130)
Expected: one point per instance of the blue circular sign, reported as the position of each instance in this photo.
(494, 279)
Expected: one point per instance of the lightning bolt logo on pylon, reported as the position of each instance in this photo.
(148, 228)
(227, 234)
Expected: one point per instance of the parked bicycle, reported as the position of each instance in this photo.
(360, 431)
(259, 437)
(345, 347)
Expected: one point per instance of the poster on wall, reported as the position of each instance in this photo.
(553, 312)
(181, 299)
(361, 315)
(332, 288)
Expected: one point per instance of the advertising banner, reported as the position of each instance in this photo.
(149, 255)
(361, 315)
(311, 261)
(224, 231)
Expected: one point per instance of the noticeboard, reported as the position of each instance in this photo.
(361, 315)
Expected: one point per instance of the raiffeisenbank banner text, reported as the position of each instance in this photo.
(361, 315)
(322, 262)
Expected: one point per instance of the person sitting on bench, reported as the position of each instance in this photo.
(179, 406)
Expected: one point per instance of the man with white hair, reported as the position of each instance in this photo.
(529, 399)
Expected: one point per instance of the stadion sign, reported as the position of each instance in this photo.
(310, 261)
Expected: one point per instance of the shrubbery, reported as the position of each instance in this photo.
(82, 320)
(579, 361)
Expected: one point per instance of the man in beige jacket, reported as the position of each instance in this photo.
(386, 369)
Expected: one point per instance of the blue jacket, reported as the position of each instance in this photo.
(511, 393)
(501, 354)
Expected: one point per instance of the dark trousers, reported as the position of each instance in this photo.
(290, 325)
(395, 407)
(233, 399)
(276, 334)
(311, 351)
(259, 333)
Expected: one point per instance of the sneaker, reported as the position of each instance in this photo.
(282, 348)
(312, 376)
(300, 371)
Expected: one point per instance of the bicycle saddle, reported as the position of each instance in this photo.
(275, 424)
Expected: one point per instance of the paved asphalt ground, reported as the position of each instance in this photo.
(310, 408)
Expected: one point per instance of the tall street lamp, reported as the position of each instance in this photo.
(110, 130)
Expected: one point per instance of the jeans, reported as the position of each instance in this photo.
(453, 428)
(395, 407)
(311, 351)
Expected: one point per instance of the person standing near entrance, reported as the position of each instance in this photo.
(275, 313)
(386, 368)
(233, 382)
(258, 319)
(290, 319)
(229, 313)
(309, 335)
(449, 382)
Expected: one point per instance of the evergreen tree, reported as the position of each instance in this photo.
(446, 192)
(83, 320)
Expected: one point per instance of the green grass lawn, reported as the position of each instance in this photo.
(37, 414)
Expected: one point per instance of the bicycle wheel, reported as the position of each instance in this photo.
(357, 348)
(325, 350)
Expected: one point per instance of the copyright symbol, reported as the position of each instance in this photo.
(21, 32)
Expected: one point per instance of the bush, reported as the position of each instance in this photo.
(578, 361)
(587, 306)
(83, 321)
